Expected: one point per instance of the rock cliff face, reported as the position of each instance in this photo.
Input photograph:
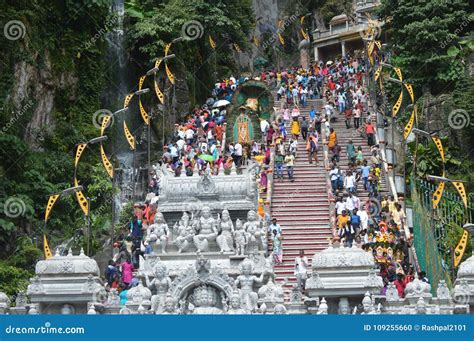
(33, 93)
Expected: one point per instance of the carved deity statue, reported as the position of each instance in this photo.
(255, 232)
(240, 237)
(246, 281)
(279, 309)
(184, 232)
(235, 304)
(205, 300)
(271, 292)
(169, 306)
(158, 233)
(207, 230)
(226, 240)
(344, 308)
(161, 284)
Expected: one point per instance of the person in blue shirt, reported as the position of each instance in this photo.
(355, 221)
(365, 171)
(312, 114)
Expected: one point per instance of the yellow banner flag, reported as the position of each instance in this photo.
(302, 19)
(127, 100)
(141, 81)
(255, 41)
(438, 194)
(410, 92)
(370, 48)
(460, 248)
(439, 145)
(169, 74)
(398, 71)
(51, 201)
(397, 105)
(378, 43)
(462, 192)
(167, 49)
(159, 94)
(158, 63)
(280, 37)
(143, 112)
(212, 42)
(304, 34)
(105, 124)
(47, 251)
(79, 150)
(378, 72)
(106, 162)
(81, 199)
(409, 127)
(129, 136)
(237, 47)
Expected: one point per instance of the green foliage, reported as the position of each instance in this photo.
(13, 279)
(423, 39)
(153, 25)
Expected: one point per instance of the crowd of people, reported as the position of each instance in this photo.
(376, 225)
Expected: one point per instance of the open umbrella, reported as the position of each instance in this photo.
(206, 157)
(221, 103)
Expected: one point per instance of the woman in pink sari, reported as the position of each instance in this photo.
(127, 271)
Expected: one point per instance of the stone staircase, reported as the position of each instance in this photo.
(301, 207)
(343, 137)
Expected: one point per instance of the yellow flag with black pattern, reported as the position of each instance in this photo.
(409, 126)
(462, 191)
(439, 145)
(51, 201)
(127, 100)
(106, 162)
(169, 74)
(47, 251)
(129, 136)
(212, 42)
(143, 113)
(105, 124)
(397, 105)
(79, 150)
(81, 199)
(159, 94)
(460, 248)
(158, 63)
(167, 49)
(409, 88)
(438, 193)
(141, 81)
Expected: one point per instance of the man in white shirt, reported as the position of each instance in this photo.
(340, 206)
(364, 218)
(264, 125)
(274, 226)
(189, 136)
(349, 182)
(301, 272)
(237, 154)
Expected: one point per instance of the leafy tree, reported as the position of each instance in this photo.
(422, 37)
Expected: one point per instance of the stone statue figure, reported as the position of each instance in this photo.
(158, 233)
(169, 305)
(246, 281)
(207, 230)
(344, 308)
(205, 299)
(255, 232)
(226, 240)
(271, 292)
(68, 309)
(235, 304)
(161, 283)
(367, 305)
(184, 232)
(240, 237)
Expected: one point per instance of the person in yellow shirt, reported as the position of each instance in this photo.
(332, 139)
(295, 128)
